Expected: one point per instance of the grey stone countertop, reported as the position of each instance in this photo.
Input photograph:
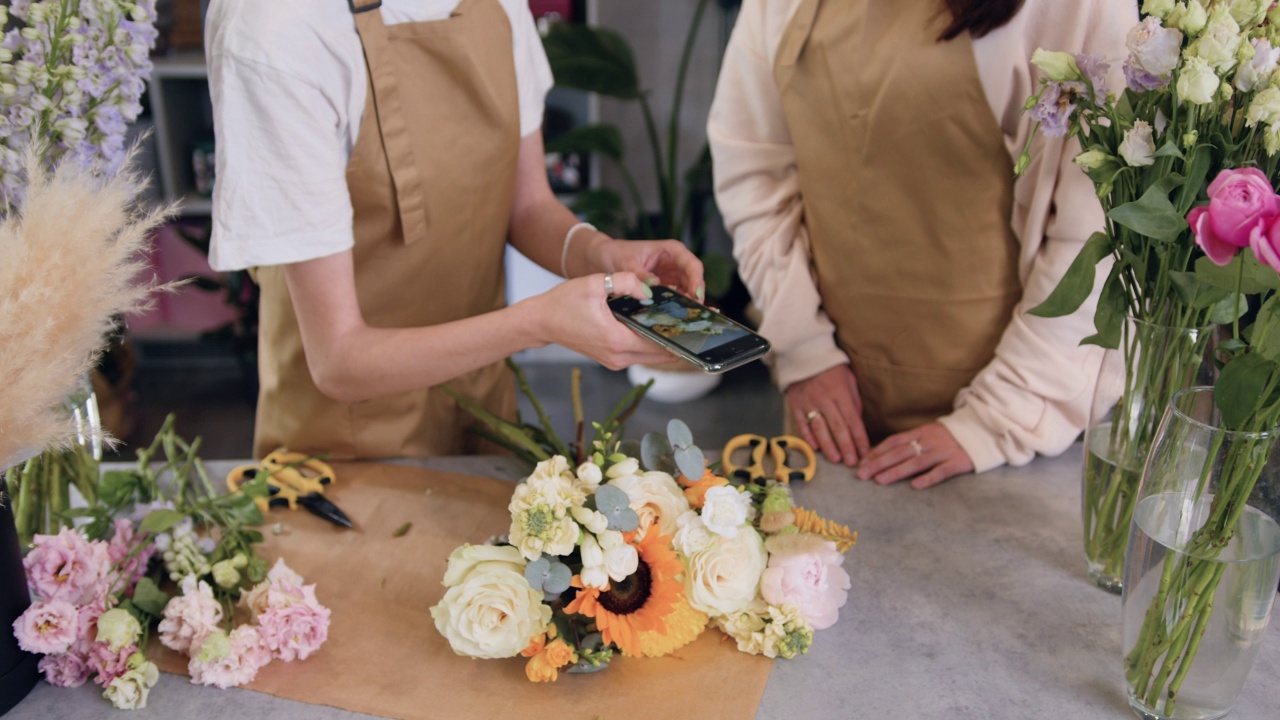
(969, 600)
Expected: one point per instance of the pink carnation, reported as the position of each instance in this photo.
(248, 655)
(48, 627)
(109, 664)
(189, 617)
(67, 567)
(295, 624)
(805, 571)
(67, 669)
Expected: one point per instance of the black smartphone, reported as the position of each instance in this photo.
(693, 331)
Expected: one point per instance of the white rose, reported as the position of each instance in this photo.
(656, 498)
(1138, 147)
(725, 510)
(1153, 47)
(1218, 44)
(620, 557)
(1198, 82)
(724, 577)
(493, 613)
(466, 558)
(692, 534)
(1257, 71)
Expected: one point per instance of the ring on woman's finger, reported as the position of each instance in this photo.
(608, 283)
(812, 415)
(916, 447)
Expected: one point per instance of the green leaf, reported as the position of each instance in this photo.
(1254, 277)
(1226, 311)
(1240, 387)
(1169, 149)
(157, 521)
(601, 138)
(149, 598)
(1153, 215)
(1110, 315)
(1077, 282)
(717, 270)
(601, 207)
(118, 486)
(1194, 293)
(1197, 169)
(1265, 337)
(592, 59)
(242, 509)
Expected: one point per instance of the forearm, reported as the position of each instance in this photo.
(539, 229)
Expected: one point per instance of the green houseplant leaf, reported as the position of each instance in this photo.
(592, 59)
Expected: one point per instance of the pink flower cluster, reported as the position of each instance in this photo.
(74, 581)
(1242, 212)
(287, 623)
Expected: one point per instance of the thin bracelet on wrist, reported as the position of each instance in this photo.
(564, 251)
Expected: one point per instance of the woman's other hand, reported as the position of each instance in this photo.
(929, 454)
(666, 262)
(828, 411)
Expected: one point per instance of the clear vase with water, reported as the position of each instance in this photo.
(1202, 565)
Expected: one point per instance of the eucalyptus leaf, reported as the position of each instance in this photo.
(656, 453)
(1152, 215)
(692, 462)
(1077, 283)
(615, 505)
(548, 575)
(679, 433)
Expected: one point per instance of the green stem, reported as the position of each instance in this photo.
(664, 193)
(673, 123)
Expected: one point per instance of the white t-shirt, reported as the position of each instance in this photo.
(288, 82)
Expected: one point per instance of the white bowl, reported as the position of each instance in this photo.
(673, 386)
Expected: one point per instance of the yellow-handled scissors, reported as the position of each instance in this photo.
(293, 479)
(776, 451)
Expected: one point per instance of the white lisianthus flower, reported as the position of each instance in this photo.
(620, 557)
(657, 499)
(1265, 108)
(593, 574)
(1249, 12)
(593, 520)
(1058, 66)
(1256, 72)
(1219, 42)
(1091, 159)
(726, 510)
(1138, 147)
(1153, 47)
(118, 628)
(1198, 82)
(724, 577)
(130, 690)
(491, 613)
(1159, 8)
(1190, 17)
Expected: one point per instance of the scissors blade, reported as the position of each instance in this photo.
(317, 504)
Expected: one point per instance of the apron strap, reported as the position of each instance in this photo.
(794, 40)
(395, 133)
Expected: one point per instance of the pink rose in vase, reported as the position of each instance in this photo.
(805, 571)
(1242, 205)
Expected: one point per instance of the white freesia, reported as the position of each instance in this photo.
(466, 558)
(692, 534)
(629, 466)
(726, 510)
(593, 574)
(1218, 44)
(492, 613)
(593, 520)
(1154, 48)
(1256, 73)
(589, 474)
(657, 500)
(1138, 147)
(620, 557)
(724, 577)
(1198, 82)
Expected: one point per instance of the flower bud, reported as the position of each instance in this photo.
(1091, 159)
(1192, 18)
(1059, 66)
(225, 574)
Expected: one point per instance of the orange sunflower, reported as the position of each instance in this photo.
(645, 614)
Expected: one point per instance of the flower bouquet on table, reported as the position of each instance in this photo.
(606, 555)
(1201, 95)
(159, 550)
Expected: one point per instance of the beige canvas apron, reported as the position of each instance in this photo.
(431, 178)
(907, 192)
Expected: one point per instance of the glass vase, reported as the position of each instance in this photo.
(1203, 563)
(1135, 385)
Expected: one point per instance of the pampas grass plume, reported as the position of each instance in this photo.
(70, 260)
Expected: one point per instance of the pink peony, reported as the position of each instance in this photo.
(67, 567)
(189, 617)
(48, 627)
(1241, 205)
(805, 571)
(107, 663)
(67, 669)
(295, 624)
(247, 654)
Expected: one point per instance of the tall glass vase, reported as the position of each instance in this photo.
(1203, 563)
(1152, 363)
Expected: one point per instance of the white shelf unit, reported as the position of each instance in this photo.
(183, 116)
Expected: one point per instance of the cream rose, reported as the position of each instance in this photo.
(492, 613)
(656, 498)
(724, 576)
(468, 557)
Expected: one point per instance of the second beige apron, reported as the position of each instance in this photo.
(431, 178)
(908, 190)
